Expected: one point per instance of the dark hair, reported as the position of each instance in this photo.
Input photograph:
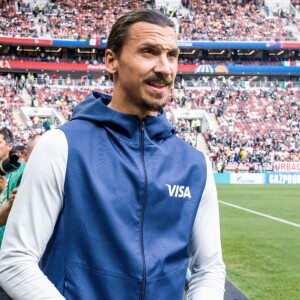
(17, 149)
(7, 135)
(119, 32)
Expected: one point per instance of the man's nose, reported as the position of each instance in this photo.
(163, 65)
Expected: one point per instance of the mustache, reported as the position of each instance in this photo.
(158, 78)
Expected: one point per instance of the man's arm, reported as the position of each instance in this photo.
(6, 207)
(2, 182)
(32, 220)
(206, 263)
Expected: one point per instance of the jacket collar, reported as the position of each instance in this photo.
(94, 109)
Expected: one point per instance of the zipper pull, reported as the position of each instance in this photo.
(143, 126)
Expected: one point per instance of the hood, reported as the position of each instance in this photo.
(94, 109)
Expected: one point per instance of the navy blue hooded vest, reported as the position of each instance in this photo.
(132, 190)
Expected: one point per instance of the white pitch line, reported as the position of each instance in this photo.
(261, 214)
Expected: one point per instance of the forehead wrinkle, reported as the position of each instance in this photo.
(145, 32)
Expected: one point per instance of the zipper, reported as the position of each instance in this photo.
(143, 209)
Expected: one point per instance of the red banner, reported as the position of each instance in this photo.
(289, 45)
(25, 41)
(231, 166)
(286, 166)
(187, 68)
(44, 66)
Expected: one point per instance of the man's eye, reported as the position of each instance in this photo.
(173, 54)
(148, 51)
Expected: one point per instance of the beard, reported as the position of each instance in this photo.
(156, 104)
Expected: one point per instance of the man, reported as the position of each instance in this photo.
(115, 205)
(8, 182)
(20, 151)
(14, 178)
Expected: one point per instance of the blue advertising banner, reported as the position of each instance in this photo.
(70, 43)
(230, 45)
(222, 178)
(254, 178)
(247, 178)
(181, 43)
(245, 69)
(283, 178)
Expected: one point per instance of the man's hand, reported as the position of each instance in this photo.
(13, 196)
(6, 207)
(2, 183)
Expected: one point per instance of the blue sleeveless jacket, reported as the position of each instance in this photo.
(132, 190)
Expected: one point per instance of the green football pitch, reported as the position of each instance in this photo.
(260, 231)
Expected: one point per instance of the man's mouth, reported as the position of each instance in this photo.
(157, 87)
(157, 84)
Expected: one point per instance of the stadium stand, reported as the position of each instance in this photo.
(250, 122)
(262, 122)
(100, 59)
(296, 4)
(226, 20)
(240, 111)
(62, 19)
(17, 19)
(229, 20)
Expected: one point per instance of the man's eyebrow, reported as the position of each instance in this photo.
(148, 45)
(153, 45)
(176, 49)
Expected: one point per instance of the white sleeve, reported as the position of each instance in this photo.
(206, 263)
(32, 219)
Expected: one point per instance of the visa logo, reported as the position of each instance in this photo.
(179, 191)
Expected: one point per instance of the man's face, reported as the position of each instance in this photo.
(4, 148)
(146, 68)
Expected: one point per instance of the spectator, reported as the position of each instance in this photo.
(8, 182)
(251, 169)
(261, 168)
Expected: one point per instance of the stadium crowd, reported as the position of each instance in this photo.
(255, 125)
(260, 125)
(296, 4)
(41, 56)
(200, 19)
(232, 20)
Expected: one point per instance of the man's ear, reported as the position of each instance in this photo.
(10, 146)
(111, 62)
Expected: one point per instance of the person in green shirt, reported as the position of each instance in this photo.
(9, 181)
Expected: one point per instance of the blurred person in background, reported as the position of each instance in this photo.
(8, 181)
(115, 205)
(23, 153)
